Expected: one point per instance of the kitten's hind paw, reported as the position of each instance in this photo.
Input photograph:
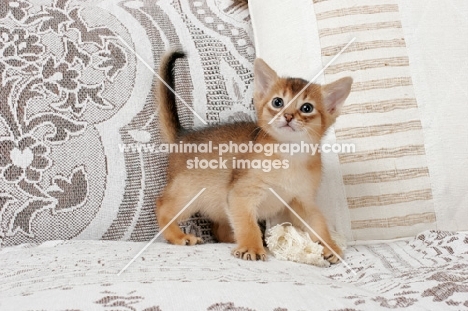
(249, 253)
(331, 256)
(187, 239)
(332, 259)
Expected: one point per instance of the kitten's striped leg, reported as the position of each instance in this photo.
(223, 232)
(243, 203)
(312, 215)
(166, 210)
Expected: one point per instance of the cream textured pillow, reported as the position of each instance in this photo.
(406, 175)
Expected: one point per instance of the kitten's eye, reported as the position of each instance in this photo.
(307, 108)
(277, 102)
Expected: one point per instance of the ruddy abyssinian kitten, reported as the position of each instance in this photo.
(235, 199)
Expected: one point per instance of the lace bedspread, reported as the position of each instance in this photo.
(429, 272)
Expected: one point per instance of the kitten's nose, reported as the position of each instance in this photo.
(288, 116)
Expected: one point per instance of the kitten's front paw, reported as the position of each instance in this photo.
(331, 256)
(187, 239)
(249, 253)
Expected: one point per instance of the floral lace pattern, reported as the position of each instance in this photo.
(73, 94)
(54, 71)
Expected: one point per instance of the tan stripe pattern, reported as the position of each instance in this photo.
(363, 46)
(379, 63)
(377, 130)
(365, 9)
(356, 28)
(381, 106)
(389, 199)
(383, 153)
(407, 220)
(385, 176)
(368, 64)
(381, 84)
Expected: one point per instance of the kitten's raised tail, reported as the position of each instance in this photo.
(168, 118)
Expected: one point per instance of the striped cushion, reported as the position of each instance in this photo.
(386, 181)
(383, 190)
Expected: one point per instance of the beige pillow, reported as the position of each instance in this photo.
(406, 175)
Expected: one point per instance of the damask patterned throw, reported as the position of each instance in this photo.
(76, 102)
(428, 272)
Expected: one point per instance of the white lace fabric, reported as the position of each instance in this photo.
(428, 272)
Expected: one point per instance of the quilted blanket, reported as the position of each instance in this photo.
(428, 272)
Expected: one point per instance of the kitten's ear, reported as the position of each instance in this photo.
(264, 77)
(335, 93)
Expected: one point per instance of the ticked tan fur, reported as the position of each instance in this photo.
(235, 199)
